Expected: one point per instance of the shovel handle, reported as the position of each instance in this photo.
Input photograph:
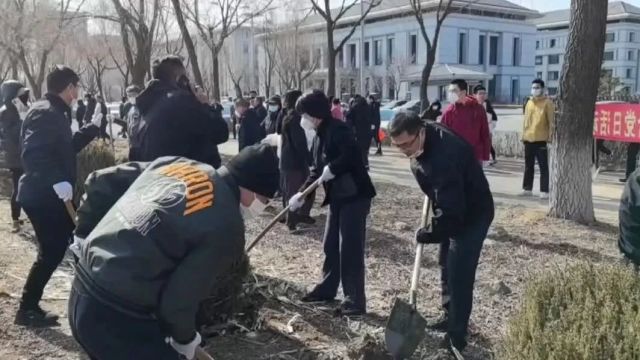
(282, 213)
(424, 220)
(71, 211)
(202, 355)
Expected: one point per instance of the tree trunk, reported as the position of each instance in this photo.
(238, 89)
(571, 193)
(426, 74)
(216, 76)
(331, 68)
(138, 74)
(188, 42)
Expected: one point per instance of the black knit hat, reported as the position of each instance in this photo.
(314, 103)
(255, 168)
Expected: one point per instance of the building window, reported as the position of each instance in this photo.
(413, 48)
(537, 44)
(366, 54)
(629, 73)
(607, 72)
(390, 50)
(552, 91)
(481, 46)
(377, 52)
(352, 55)
(608, 56)
(611, 37)
(493, 50)
(539, 75)
(630, 55)
(552, 43)
(538, 60)
(632, 37)
(516, 52)
(317, 54)
(462, 48)
(554, 59)
(340, 59)
(392, 88)
(553, 75)
(515, 90)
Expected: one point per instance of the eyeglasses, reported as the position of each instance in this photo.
(408, 144)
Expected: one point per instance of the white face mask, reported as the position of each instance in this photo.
(452, 97)
(307, 123)
(417, 154)
(21, 107)
(536, 92)
(132, 100)
(273, 108)
(254, 210)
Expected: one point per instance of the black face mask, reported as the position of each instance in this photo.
(183, 83)
(24, 98)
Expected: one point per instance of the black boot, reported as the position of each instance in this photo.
(440, 324)
(455, 346)
(35, 317)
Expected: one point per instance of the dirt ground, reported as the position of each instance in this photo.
(522, 242)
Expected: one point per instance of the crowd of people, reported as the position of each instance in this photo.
(154, 234)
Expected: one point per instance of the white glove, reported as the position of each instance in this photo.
(75, 247)
(271, 140)
(64, 190)
(296, 202)
(97, 118)
(326, 174)
(373, 127)
(186, 350)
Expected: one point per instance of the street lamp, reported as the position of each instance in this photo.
(362, 48)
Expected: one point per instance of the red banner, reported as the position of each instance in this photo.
(617, 122)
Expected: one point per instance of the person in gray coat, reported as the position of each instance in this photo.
(15, 97)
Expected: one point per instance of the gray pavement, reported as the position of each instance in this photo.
(505, 179)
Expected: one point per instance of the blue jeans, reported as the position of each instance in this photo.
(105, 333)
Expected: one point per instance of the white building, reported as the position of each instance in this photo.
(485, 41)
(622, 47)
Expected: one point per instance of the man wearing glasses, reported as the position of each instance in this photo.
(449, 173)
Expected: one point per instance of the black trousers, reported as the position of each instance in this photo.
(632, 154)
(54, 231)
(291, 182)
(493, 153)
(536, 151)
(376, 138)
(364, 150)
(458, 260)
(15, 179)
(344, 238)
(105, 333)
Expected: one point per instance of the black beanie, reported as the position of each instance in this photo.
(255, 168)
(314, 103)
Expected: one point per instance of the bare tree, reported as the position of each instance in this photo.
(188, 42)
(331, 18)
(31, 31)
(97, 59)
(269, 46)
(395, 71)
(140, 22)
(571, 193)
(377, 80)
(228, 16)
(236, 78)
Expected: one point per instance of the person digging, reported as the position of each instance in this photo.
(152, 239)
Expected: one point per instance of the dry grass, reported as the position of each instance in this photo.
(97, 155)
(584, 312)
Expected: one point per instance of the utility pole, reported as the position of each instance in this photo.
(362, 49)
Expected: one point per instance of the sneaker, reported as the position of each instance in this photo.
(544, 195)
(15, 226)
(440, 324)
(35, 318)
(526, 193)
(378, 153)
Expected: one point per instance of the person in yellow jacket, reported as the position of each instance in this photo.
(538, 121)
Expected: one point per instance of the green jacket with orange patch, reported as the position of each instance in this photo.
(157, 235)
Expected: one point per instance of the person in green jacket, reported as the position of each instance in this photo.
(152, 239)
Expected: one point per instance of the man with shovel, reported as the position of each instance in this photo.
(450, 175)
(152, 239)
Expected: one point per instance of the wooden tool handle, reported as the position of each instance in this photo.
(202, 355)
(71, 211)
(282, 213)
(424, 221)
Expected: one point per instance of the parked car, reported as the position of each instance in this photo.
(393, 104)
(413, 105)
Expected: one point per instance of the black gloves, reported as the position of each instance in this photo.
(426, 236)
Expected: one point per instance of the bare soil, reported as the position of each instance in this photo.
(522, 242)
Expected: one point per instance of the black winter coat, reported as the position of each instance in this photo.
(295, 154)
(261, 113)
(49, 149)
(336, 146)
(80, 112)
(374, 112)
(450, 175)
(359, 119)
(91, 109)
(251, 131)
(10, 124)
(176, 123)
(629, 240)
(270, 122)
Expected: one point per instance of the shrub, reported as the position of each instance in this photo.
(97, 155)
(583, 312)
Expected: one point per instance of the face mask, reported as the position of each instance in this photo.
(273, 108)
(307, 123)
(254, 210)
(536, 92)
(420, 150)
(452, 97)
(132, 100)
(20, 105)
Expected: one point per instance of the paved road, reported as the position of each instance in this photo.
(505, 179)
